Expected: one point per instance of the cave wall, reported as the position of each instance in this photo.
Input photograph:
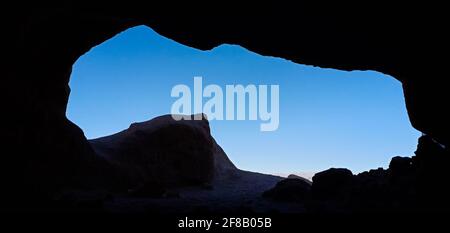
(44, 41)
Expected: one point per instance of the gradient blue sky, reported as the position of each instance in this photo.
(328, 118)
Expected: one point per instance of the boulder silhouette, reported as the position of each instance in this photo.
(290, 190)
(332, 183)
(161, 152)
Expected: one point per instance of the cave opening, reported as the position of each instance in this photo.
(328, 118)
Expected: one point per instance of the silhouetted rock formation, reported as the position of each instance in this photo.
(290, 189)
(161, 151)
(409, 184)
(45, 152)
(332, 183)
(179, 161)
(166, 166)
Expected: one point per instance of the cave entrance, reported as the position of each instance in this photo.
(328, 118)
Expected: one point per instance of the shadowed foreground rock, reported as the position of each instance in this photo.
(414, 184)
(290, 189)
(332, 183)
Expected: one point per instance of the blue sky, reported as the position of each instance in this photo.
(328, 118)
